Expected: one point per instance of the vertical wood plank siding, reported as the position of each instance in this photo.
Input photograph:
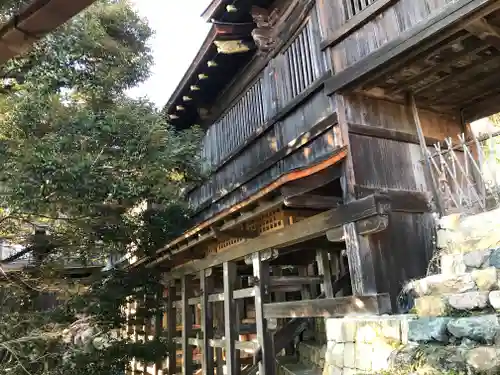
(400, 17)
(393, 164)
(293, 71)
(228, 176)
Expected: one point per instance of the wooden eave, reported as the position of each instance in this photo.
(216, 10)
(201, 233)
(226, 26)
(192, 69)
(218, 77)
(34, 22)
(448, 62)
(213, 8)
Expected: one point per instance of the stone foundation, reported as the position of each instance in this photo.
(410, 345)
(455, 329)
(363, 345)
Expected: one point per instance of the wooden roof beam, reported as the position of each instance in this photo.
(231, 233)
(485, 31)
(307, 229)
(313, 202)
(34, 22)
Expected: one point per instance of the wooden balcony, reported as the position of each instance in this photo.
(445, 53)
(281, 123)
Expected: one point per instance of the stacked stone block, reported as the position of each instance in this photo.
(458, 330)
(363, 345)
(445, 294)
(454, 327)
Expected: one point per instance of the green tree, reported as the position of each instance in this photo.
(87, 172)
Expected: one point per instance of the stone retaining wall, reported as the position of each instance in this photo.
(361, 345)
(455, 328)
(408, 344)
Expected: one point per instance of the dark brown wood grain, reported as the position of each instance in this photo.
(403, 47)
(394, 135)
(356, 22)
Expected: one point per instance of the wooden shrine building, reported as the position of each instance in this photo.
(319, 202)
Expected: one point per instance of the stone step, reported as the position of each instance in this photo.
(463, 233)
(480, 280)
(459, 263)
(458, 304)
(466, 331)
(290, 366)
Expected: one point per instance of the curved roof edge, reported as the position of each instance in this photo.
(34, 22)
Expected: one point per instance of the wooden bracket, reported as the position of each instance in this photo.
(265, 34)
(364, 227)
(312, 201)
(264, 256)
(485, 31)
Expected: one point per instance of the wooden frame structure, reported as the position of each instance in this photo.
(35, 21)
(318, 204)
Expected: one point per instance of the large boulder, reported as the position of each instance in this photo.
(482, 329)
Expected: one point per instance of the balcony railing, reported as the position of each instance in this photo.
(283, 104)
(467, 173)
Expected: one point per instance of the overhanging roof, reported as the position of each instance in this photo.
(34, 22)
(212, 10)
(235, 25)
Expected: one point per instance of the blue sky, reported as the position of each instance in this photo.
(179, 33)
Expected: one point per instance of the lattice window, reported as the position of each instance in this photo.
(268, 222)
(353, 7)
(228, 243)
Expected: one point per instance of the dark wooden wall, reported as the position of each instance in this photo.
(402, 252)
(258, 137)
(385, 133)
(350, 43)
(385, 156)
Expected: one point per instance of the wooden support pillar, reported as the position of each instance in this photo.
(360, 258)
(207, 323)
(326, 271)
(218, 311)
(171, 329)
(306, 294)
(281, 297)
(240, 314)
(306, 288)
(219, 361)
(230, 318)
(187, 327)
(262, 296)
(158, 324)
